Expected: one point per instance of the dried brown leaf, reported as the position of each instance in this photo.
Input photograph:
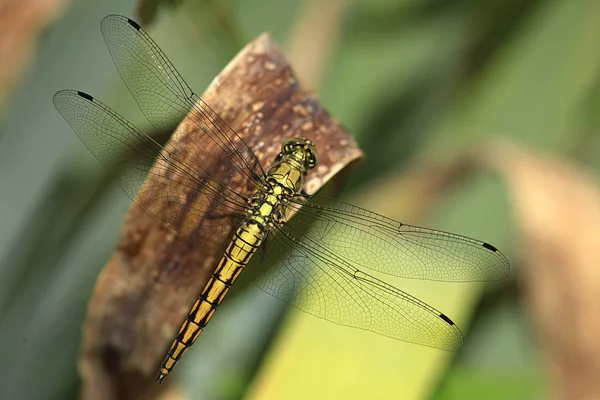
(557, 205)
(20, 23)
(145, 291)
(313, 35)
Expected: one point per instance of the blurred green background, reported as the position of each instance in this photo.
(409, 79)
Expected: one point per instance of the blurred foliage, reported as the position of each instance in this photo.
(411, 80)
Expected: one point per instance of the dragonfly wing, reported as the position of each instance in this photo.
(371, 241)
(319, 282)
(165, 98)
(175, 194)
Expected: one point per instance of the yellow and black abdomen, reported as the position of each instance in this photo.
(245, 242)
(266, 208)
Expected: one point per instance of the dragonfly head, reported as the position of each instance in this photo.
(301, 150)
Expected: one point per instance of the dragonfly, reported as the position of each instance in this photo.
(321, 270)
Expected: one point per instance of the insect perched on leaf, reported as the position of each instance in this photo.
(321, 251)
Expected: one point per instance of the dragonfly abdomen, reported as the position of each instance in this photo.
(245, 242)
(266, 208)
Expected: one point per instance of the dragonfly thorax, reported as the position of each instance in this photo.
(267, 205)
(297, 156)
(283, 181)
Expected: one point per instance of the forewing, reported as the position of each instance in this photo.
(165, 98)
(175, 194)
(367, 240)
(319, 282)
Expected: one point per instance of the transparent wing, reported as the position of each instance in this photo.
(176, 195)
(367, 240)
(165, 98)
(319, 282)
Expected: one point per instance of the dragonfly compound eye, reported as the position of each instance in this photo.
(311, 158)
(302, 149)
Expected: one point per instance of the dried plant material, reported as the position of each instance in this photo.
(558, 213)
(315, 32)
(153, 278)
(557, 207)
(20, 23)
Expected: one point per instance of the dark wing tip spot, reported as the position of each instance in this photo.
(490, 247)
(85, 96)
(134, 24)
(445, 318)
